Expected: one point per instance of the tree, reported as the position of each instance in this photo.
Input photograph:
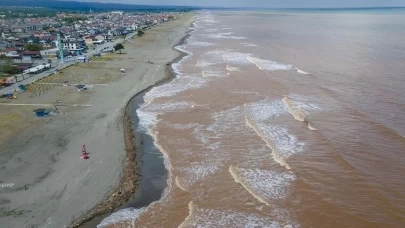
(10, 69)
(119, 47)
(140, 32)
(33, 47)
(3, 56)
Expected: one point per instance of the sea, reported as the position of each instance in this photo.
(281, 119)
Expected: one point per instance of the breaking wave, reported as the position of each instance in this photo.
(269, 65)
(176, 86)
(278, 138)
(264, 185)
(200, 217)
(125, 217)
(298, 109)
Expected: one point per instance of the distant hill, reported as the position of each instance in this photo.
(74, 5)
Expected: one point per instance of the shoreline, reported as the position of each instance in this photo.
(131, 171)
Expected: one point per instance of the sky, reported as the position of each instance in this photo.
(265, 3)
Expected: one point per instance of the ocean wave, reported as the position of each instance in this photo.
(199, 44)
(210, 30)
(224, 36)
(264, 185)
(299, 109)
(213, 73)
(147, 114)
(301, 71)
(236, 58)
(176, 86)
(232, 68)
(269, 65)
(204, 63)
(125, 217)
(211, 58)
(249, 45)
(266, 109)
(278, 138)
(200, 217)
(193, 173)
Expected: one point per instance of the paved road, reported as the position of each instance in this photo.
(26, 79)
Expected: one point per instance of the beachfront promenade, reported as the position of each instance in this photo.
(27, 79)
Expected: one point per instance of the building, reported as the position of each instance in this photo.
(73, 44)
(50, 52)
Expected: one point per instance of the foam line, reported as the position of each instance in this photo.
(276, 156)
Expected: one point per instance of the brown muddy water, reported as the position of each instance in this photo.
(281, 120)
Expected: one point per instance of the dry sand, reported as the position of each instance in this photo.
(43, 180)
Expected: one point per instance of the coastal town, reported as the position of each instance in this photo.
(31, 43)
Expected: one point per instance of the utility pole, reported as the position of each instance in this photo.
(60, 50)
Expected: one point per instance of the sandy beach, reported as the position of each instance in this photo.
(43, 180)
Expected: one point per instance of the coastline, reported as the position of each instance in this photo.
(131, 173)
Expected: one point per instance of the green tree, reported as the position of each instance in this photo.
(140, 32)
(10, 69)
(119, 47)
(33, 47)
(3, 56)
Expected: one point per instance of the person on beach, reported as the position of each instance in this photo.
(85, 155)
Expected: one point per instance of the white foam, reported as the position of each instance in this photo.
(147, 114)
(231, 68)
(128, 215)
(182, 48)
(228, 121)
(200, 217)
(278, 138)
(199, 44)
(176, 86)
(204, 63)
(224, 36)
(269, 65)
(265, 109)
(213, 73)
(236, 58)
(249, 45)
(194, 173)
(184, 126)
(301, 71)
(211, 30)
(265, 185)
(299, 109)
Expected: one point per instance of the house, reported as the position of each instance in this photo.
(31, 54)
(8, 51)
(50, 52)
(23, 66)
(119, 31)
(73, 44)
(20, 46)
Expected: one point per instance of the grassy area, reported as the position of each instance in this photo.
(15, 121)
(81, 73)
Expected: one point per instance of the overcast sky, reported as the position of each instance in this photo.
(265, 3)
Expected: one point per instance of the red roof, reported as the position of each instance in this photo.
(31, 53)
(9, 49)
